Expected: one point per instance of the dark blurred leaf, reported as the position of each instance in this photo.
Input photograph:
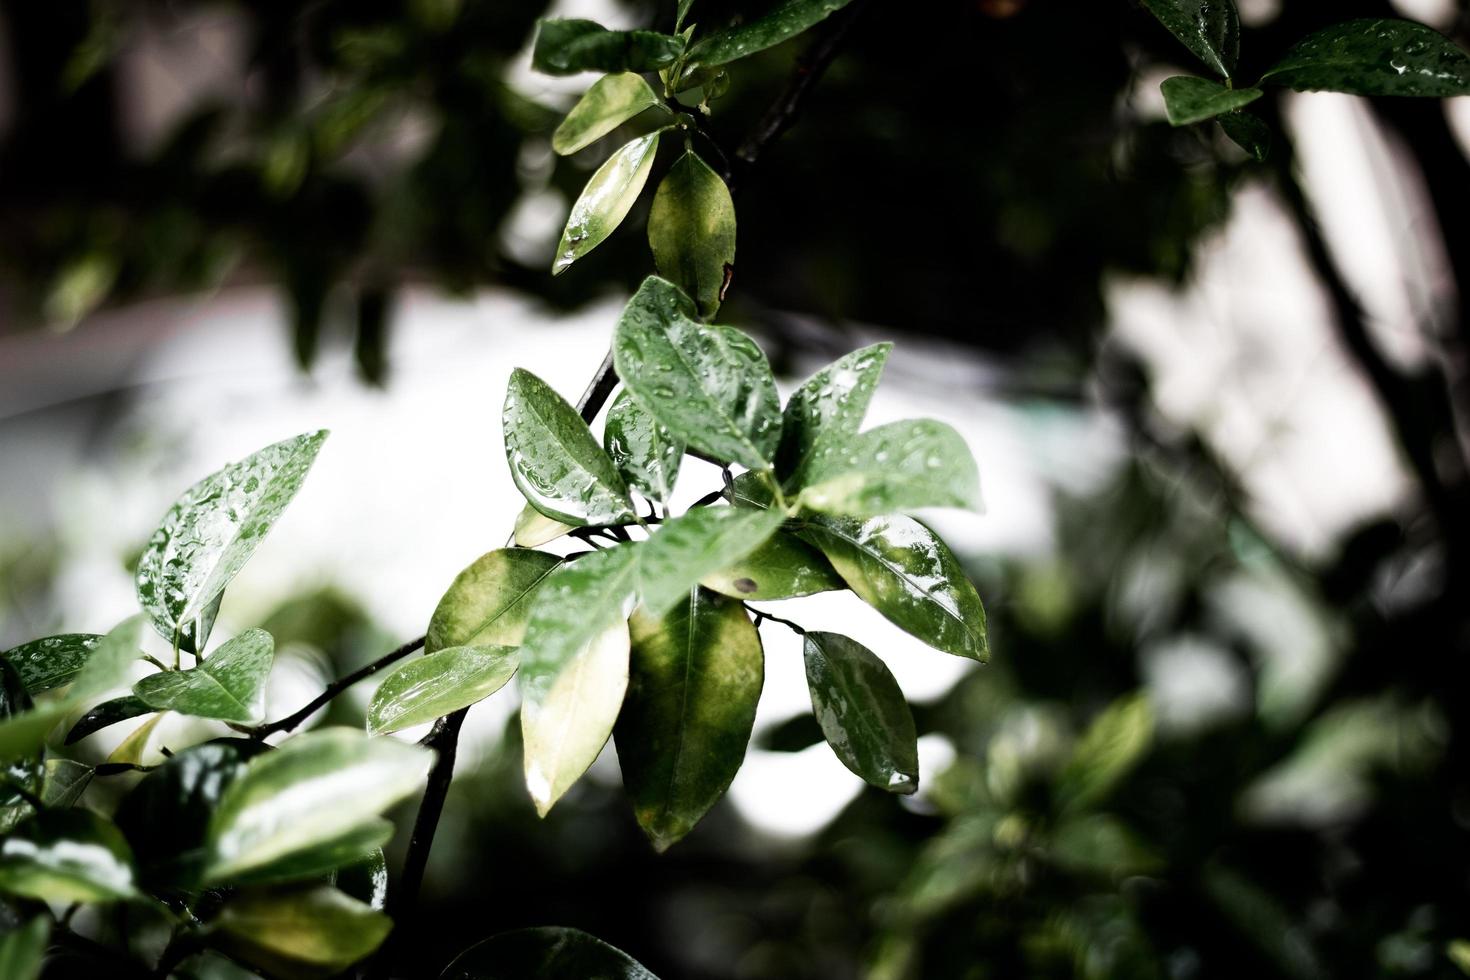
(1107, 751)
(548, 953)
(565, 47)
(1248, 132)
(106, 714)
(792, 735)
(785, 20)
(67, 856)
(22, 950)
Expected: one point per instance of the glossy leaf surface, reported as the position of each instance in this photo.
(693, 545)
(437, 684)
(606, 200)
(533, 528)
(611, 101)
(1249, 132)
(67, 856)
(710, 386)
(132, 750)
(828, 409)
(321, 926)
(547, 953)
(862, 711)
(565, 47)
(489, 603)
(694, 682)
(902, 569)
(311, 791)
(1375, 57)
(783, 568)
(645, 452)
(1191, 100)
(212, 530)
(23, 949)
(895, 467)
(554, 459)
(51, 661)
(107, 714)
(228, 686)
(1210, 29)
(316, 862)
(691, 230)
(785, 20)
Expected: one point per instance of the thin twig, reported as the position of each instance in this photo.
(762, 616)
(335, 688)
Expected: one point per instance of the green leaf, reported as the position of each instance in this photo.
(439, 684)
(565, 47)
(23, 949)
(899, 466)
(212, 530)
(901, 568)
(1210, 29)
(131, 750)
(1248, 132)
(1190, 100)
(51, 661)
(554, 459)
(352, 846)
(606, 200)
(194, 634)
(68, 855)
(320, 926)
(1375, 57)
(694, 683)
(828, 409)
(691, 230)
(489, 602)
(533, 528)
(229, 686)
(783, 568)
(107, 714)
(693, 545)
(682, 13)
(365, 880)
(546, 953)
(1107, 751)
(786, 19)
(311, 791)
(611, 101)
(65, 782)
(645, 452)
(710, 386)
(862, 711)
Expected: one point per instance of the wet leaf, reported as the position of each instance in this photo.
(1248, 132)
(606, 200)
(365, 880)
(68, 855)
(311, 791)
(321, 926)
(694, 683)
(554, 459)
(1210, 29)
(694, 545)
(212, 530)
(646, 453)
(438, 684)
(51, 661)
(895, 467)
(64, 782)
(710, 386)
(1375, 57)
(533, 528)
(785, 20)
(828, 409)
(107, 714)
(1190, 100)
(862, 711)
(547, 953)
(691, 230)
(611, 101)
(565, 47)
(1107, 751)
(489, 602)
(783, 568)
(23, 949)
(229, 686)
(902, 569)
(194, 634)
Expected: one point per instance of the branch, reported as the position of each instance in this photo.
(333, 689)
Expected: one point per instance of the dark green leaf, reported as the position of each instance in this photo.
(1375, 57)
(691, 230)
(23, 949)
(646, 453)
(438, 684)
(1190, 100)
(64, 782)
(1248, 132)
(68, 855)
(555, 461)
(710, 386)
(902, 569)
(792, 735)
(783, 568)
(1107, 752)
(365, 880)
(565, 47)
(1210, 29)
(212, 530)
(611, 101)
(682, 13)
(51, 661)
(320, 926)
(106, 714)
(548, 953)
(606, 200)
(786, 19)
(828, 409)
(694, 683)
(202, 625)
(229, 686)
(489, 602)
(862, 711)
(895, 467)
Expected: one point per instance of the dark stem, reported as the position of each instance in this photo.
(335, 688)
(761, 617)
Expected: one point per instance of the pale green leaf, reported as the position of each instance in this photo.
(320, 926)
(691, 231)
(489, 602)
(22, 949)
(611, 101)
(606, 200)
(895, 467)
(533, 528)
(438, 684)
(228, 686)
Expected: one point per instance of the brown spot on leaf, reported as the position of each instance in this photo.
(725, 284)
(746, 585)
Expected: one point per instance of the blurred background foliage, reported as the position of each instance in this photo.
(970, 170)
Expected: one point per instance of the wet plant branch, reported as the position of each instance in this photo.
(333, 689)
